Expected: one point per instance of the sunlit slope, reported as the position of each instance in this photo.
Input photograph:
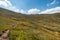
(30, 27)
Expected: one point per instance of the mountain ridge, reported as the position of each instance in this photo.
(30, 27)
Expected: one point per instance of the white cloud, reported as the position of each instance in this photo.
(52, 3)
(23, 11)
(8, 5)
(50, 11)
(5, 3)
(33, 11)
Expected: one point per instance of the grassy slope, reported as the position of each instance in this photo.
(30, 27)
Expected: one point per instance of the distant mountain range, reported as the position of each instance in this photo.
(30, 27)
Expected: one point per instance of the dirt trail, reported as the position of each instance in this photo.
(4, 35)
(15, 25)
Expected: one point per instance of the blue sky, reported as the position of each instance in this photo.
(31, 6)
(40, 4)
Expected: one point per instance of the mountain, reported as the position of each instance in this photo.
(30, 27)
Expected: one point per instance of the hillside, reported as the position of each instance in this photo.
(30, 27)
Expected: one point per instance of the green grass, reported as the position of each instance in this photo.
(30, 27)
